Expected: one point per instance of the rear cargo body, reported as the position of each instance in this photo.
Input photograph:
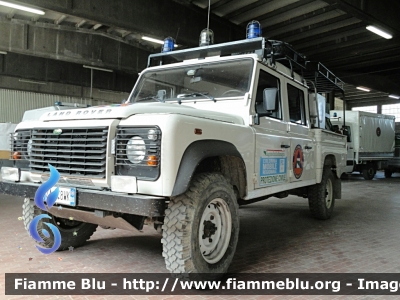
(371, 140)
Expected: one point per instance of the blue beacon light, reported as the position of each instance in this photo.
(169, 45)
(254, 30)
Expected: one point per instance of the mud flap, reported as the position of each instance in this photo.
(337, 187)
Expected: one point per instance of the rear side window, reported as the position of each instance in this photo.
(296, 105)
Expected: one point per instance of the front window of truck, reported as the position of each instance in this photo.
(205, 80)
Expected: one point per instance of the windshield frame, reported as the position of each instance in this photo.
(209, 64)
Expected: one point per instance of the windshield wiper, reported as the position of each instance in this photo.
(196, 94)
(151, 97)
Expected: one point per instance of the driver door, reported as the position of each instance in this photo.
(272, 140)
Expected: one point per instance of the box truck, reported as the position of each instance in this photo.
(370, 140)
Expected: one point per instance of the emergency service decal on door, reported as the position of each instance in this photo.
(273, 166)
(298, 161)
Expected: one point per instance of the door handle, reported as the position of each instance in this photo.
(285, 146)
(308, 147)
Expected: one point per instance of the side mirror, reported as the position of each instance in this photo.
(269, 99)
(346, 132)
(161, 94)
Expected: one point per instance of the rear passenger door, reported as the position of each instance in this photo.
(301, 157)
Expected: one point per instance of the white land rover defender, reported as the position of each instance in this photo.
(204, 130)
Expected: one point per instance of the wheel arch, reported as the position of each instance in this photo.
(211, 156)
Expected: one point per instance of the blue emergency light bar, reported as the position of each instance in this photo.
(271, 50)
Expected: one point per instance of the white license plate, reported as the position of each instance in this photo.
(66, 196)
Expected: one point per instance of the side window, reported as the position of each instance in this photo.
(296, 105)
(265, 81)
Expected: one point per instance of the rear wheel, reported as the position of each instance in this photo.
(73, 233)
(201, 228)
(388, 173)
(369, 172)
(321, 196)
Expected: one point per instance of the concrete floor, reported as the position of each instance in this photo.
(276, 236)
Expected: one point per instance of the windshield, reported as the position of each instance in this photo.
(205, 80)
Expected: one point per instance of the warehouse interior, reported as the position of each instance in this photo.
(92, 52)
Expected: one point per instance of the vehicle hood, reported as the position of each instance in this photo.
(123, 111)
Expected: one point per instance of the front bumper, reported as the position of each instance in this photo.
(142, 205)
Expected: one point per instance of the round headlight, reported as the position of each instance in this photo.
(135, 150)
(29, 148)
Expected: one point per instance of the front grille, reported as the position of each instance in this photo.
(75, 152)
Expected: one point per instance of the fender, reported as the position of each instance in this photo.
(194, 154)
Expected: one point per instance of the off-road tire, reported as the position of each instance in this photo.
(321, 198)
(388, 173)
(368, 172)
(75, 234)
(182, 226)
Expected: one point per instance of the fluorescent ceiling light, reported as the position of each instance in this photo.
(379, 32)
(146, 38)
(394, 97)
(96, 68)
(363, 89)
(24, 8)
(157, 41)
(31, 81)
(3, 52)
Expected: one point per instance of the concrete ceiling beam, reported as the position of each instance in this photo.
(48, 42)
(165, 18)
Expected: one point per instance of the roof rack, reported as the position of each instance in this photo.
(272, 50)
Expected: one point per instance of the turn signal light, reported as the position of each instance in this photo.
(16, 155)
(152, 161)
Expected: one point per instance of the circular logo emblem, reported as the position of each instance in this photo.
(298, 161)
(378, 131)
(57, 131)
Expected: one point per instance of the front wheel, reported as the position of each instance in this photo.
(201, 228)
(73, 233)
(321, 198)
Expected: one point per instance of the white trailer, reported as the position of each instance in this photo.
(370, 140)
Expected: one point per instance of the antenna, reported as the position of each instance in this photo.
(177, 34)
(208, 18)
(207, 35)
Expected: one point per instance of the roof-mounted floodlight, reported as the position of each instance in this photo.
(254, 29)
(169, 45)
(206, 37)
